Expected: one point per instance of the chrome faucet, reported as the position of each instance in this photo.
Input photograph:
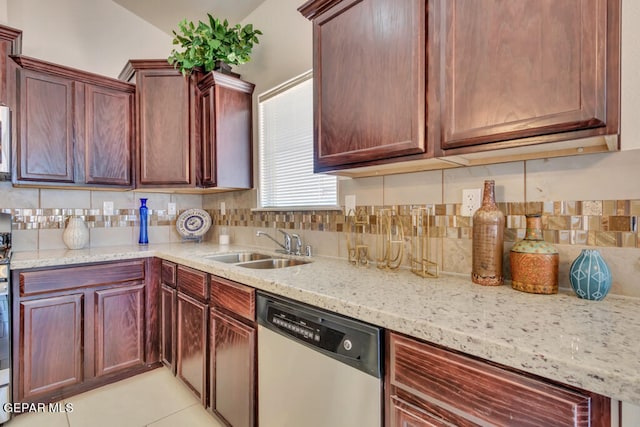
(286, 247)
(298, 248)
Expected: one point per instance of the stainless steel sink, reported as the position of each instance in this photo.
(236, 257)
(273, 263)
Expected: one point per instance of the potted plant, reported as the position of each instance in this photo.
(213, 45)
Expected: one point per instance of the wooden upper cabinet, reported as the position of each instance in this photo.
(527, 71)
(166, 140)
(10, 44)
(226, 136)
(108, 135)
(193, 132)
(73, 127)
(431, 84)
(45, 147)
(369, 62)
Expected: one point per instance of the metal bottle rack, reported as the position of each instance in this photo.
(358, 223)
(389, 240)
(422, 262)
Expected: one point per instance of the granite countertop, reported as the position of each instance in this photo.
(587, 344)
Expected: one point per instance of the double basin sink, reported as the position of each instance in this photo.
(256, 260)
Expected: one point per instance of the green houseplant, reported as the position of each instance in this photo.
(209, 44)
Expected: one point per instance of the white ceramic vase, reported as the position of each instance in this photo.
(76, 235)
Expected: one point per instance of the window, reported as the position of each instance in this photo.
(286, 149)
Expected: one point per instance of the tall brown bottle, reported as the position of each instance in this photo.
(488, 240)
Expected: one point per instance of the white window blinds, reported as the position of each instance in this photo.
(286, 149)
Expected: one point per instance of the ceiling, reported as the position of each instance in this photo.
(166, 14)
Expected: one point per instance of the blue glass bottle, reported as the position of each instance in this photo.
(144, 219)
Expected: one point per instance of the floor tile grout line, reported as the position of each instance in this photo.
(171, 414)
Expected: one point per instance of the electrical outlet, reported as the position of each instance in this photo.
(171, 208)
(107, 208)
(471, 200)
(223, 208)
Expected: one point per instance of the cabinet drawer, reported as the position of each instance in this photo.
(50, 280)
(236, 298)
(480, 390)
(169, 273)
(193, 282)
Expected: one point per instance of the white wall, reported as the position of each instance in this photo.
(92, 35)
(630, 79)
(285, 48)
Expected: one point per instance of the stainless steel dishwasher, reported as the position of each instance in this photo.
(315, 368)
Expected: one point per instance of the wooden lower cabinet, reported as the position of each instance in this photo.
(430, 386)
(80, 327)
(232, 369)
(168, 302)
(191, 348)
(119, 328)
(51, 349)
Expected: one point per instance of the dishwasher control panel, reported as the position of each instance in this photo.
(350, 341)
(306, 329)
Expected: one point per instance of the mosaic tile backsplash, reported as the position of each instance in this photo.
(603, 223)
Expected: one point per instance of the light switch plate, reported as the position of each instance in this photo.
(350, 204)
(107, 208)
(471, 200)
(171, 208)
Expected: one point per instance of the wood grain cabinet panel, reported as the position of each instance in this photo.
(74, 128)
(226, 136)
(120, 328)
(515, 70)
(10, 44)
(369, 80)
(108, 136)
(465, 391)
(193, 282)
(234, 297)
(232, 367)
(45, 147)
(168, 301)
(165, 140)
(51, 346)
(191, 347)
(168, 273)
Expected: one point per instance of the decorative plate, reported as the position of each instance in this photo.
(193, 223)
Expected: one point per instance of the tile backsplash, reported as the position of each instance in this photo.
(604, 223)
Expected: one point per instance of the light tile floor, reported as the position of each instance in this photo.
(153, 399)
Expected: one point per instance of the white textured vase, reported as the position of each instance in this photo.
(76, 235)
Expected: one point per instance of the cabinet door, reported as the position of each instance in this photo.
(50, 345)
(232, 365)
(517, 69)
(168, 301)
(369, 81)
(164, 145)
(191, 346)
(108, 132)
(45, 148)
(226, 133)
(119, 328)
